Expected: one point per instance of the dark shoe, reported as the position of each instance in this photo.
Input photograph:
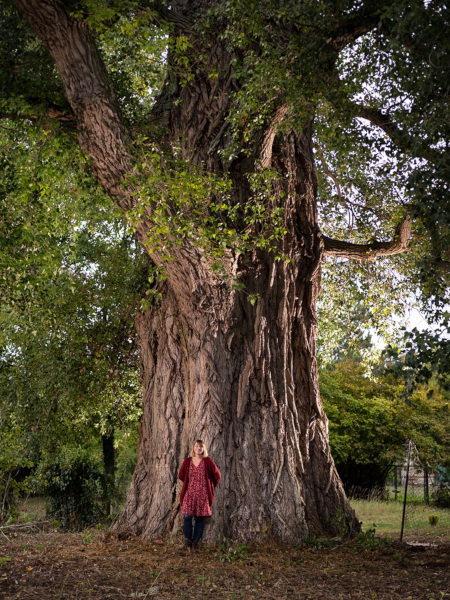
(187, 543)
(195, 546)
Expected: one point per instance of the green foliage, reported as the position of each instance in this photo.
(190, 204)
(74, 485)
(441, 497)
(126, 448)
(14, 465)
(356, 307)
(135, 52)
(365, 425)
(421, 355)
(27, 69)
(368, 540)
(87, 537)
(71, 280)
(370, 423)
(318, 543)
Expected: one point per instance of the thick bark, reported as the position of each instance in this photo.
(86, 84)
(242, 376)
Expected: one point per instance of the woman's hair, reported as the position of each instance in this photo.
(202, 443)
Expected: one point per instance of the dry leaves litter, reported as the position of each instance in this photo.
(99, 566)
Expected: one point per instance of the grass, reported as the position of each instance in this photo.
(387, 518)
(32, 508)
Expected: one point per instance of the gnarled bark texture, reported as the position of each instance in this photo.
(240, 375)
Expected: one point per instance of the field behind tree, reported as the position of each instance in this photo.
(386, 518)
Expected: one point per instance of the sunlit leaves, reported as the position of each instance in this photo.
(370, 421)
(71, 280)
(184, 202)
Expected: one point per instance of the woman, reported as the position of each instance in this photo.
(200, 476)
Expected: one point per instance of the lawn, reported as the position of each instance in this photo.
(387, 518)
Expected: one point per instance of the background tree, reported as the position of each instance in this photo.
(218, 178)
(370, 424)
(367, 431)
(71, 280)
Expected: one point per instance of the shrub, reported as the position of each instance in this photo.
(441, 497)
(75, 486)
(13, 483)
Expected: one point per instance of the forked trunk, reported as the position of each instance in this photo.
(242, 375)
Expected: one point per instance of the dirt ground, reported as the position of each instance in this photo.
(93, 565)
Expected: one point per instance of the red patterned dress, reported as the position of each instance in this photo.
(195, 501)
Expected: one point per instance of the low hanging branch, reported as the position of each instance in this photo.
(370, 251)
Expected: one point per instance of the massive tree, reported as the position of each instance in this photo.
(219, 181)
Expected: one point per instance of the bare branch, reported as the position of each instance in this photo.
(351, 204)
(328, 171)
(373, 250)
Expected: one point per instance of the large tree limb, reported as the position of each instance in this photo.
(357, 24)
(370, 251)
(269, 136)
(101, 130)
(401, 138)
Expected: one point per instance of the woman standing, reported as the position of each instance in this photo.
(200, 475)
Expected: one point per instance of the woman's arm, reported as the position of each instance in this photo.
(184, 468)
(214, 473)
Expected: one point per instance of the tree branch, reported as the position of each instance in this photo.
(357, 24)
(370, 251)
(101, 130)
(166, 15)
(329, 172)
(402, 139)
(269, 136)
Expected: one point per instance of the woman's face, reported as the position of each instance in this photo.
(198, 449)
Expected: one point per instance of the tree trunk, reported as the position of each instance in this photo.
(426, 485)
(242, 377)
(109, 465)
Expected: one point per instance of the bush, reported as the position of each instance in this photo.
(10, 491)
(75, 487)
(13, 483)
(441, 497)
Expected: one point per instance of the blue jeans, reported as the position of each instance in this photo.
(193, 532)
